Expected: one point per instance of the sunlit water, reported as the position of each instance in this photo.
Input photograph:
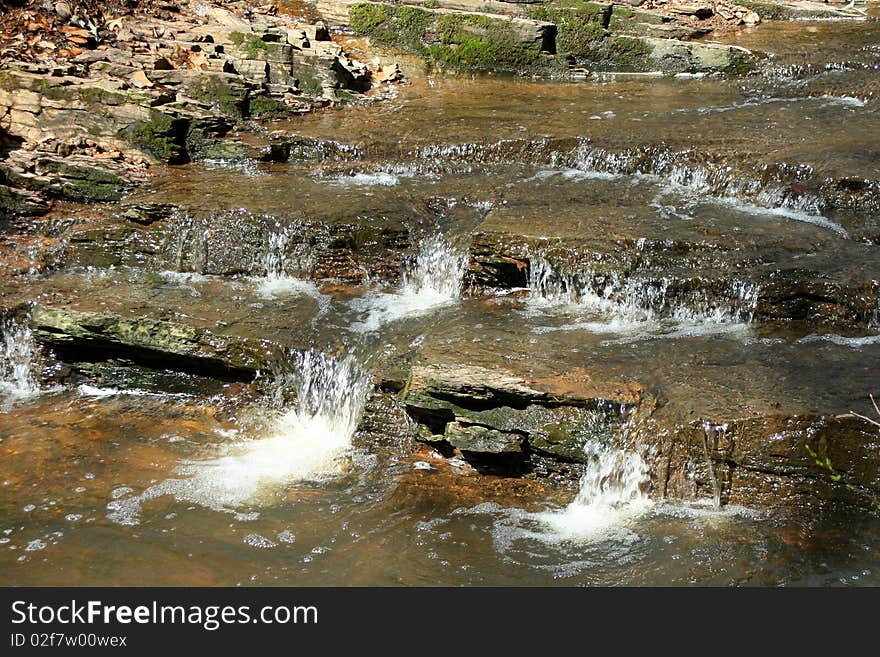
(17, 361)
(431, 280)
(301, 443)
(166, 479)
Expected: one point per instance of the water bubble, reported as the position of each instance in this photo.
(257, 541)
(286, 536)
(120, 492)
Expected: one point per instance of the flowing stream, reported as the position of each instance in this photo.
(424, 301)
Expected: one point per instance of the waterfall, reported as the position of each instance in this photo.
(17, 358)
(622, 300)
(612, 489)
(438, 269)
(631, 303)
(430, 280)
(302, 441)
(287, 264)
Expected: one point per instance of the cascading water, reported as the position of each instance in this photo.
(17, 356)
(286, 264)
(438, 270)
(432, 279)
(612, 490)
(635, 304)
(626, 301)
(303, 442)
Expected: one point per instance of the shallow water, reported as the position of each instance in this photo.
(648, 272)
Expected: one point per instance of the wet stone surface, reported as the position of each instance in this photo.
(493, 331)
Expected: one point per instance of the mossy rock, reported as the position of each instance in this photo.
(162, 136)
(307, 78)
(227, 151)
(79, 182)
(226, 93)
(778, 12)
(264, 107)
(456, 39)
(581, 26)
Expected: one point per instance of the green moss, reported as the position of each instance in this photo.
(307, 79)
(581, 26)
(412, 24)
(237, 38)
(8, 82)
(162, 136)
(461, 40)
(255, 47)
(99, 96)
(367, 18)
(628, 53)
(84, 183)
(620, 18)
(213, 89)
(263, 106)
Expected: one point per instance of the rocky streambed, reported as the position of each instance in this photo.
(598, 328)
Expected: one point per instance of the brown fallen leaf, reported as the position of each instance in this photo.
(74, 30)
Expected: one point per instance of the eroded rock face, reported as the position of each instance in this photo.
(540, 37)
(166, 91)
(495, 418)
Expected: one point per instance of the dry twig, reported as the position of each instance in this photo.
(876, 423)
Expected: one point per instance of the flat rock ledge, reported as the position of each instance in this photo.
(160, 91)
(504, 424)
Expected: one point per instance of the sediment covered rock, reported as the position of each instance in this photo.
(79, 336)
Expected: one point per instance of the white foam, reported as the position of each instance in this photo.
(286, 264)
(271, 287)
(783, 212)
(376, 179)
(847, 101)
(611, 493)
(572, 175)
(303, 443)
(613, 304)
(17, 356)
(87, 390)
(432, 281)
(843, 341)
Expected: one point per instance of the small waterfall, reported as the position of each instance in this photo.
(438, 269)
(623, 300)
(631, 303)
(612, 489)
(186, 243)
(430, 280)
(287, 263)
(17, 360)
(302, 441)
